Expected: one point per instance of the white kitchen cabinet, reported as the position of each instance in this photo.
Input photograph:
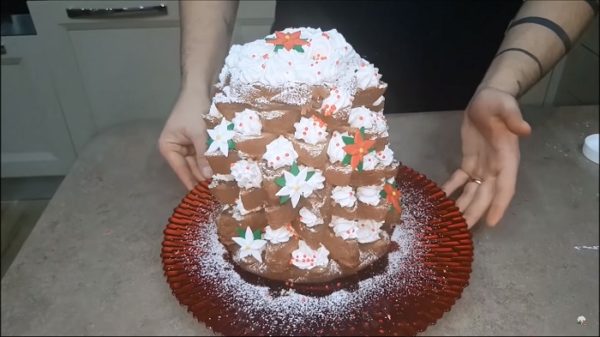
(83, 73)
(109, 68)
(35, 137)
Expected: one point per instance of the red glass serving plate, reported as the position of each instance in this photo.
(421, 278)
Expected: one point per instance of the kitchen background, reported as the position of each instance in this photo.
(66, 77)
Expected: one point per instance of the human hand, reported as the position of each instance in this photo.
(490, 131)
(183, 140)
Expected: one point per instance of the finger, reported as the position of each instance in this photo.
(514, 121)
(458, 179)
(467, 195)
(505, 190)
(193, 164)
(181, 168)
(204, 167)
(481, 202)
(199, 142)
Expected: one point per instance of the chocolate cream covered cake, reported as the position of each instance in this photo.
(299, 148)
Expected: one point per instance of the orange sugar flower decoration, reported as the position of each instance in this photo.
(288, 41)
(358, 148)
(392, 195)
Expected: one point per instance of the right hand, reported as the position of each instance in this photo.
(183, 139)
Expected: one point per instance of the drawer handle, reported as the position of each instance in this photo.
(2, 50)
(93, 13)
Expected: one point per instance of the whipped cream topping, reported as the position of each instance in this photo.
(344, 196)
(367, 75)
(247, 123)
(222, 177)
(386, 156)
(311, 57)
(306, 258)
(368, 231)
(247, 173)
(280, 235)
(249, 246)
(309, 218)
(380, 125)
(220, 136)
(213, 111)
(311, 130)
(378, 101)
(316, 181)
(239, 210)
(344, 228)
(279, 153)
(219, 178)
(370, 161)
(336, 101)
(335, 149)
(369, 194)
(361, 117)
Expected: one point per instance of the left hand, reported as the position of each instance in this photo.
(490, 133)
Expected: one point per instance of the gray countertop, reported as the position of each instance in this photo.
(92, 264)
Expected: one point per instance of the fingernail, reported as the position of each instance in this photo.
(207, 172)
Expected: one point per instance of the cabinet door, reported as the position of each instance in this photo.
(35, 138)
(254, 20)
(110, 68)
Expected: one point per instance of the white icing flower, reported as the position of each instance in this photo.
(309, 218)
(335, 149)
(344, 195)
(220, 135)
(306, 258)
(247, 173)
(316, 180)
(361, 117)
(367, 75)
(368, 231)
(336, 101)
(386, 156)
(247, 123)
(295, 186)
(249, 246)
(344, 228)
(279, 235)
(310, 130)
(370, 161)
(369, 194)
(279, 153)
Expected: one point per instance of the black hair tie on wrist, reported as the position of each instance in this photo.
(539, 64)
(558, 30)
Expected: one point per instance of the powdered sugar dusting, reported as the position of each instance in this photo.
(288, 312)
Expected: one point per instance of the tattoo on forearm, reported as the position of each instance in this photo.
(555, 28)
(533, 57)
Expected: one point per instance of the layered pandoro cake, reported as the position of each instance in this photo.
(298, 144)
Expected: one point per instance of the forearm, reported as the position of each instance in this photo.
(206, 28)
(515, 71)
